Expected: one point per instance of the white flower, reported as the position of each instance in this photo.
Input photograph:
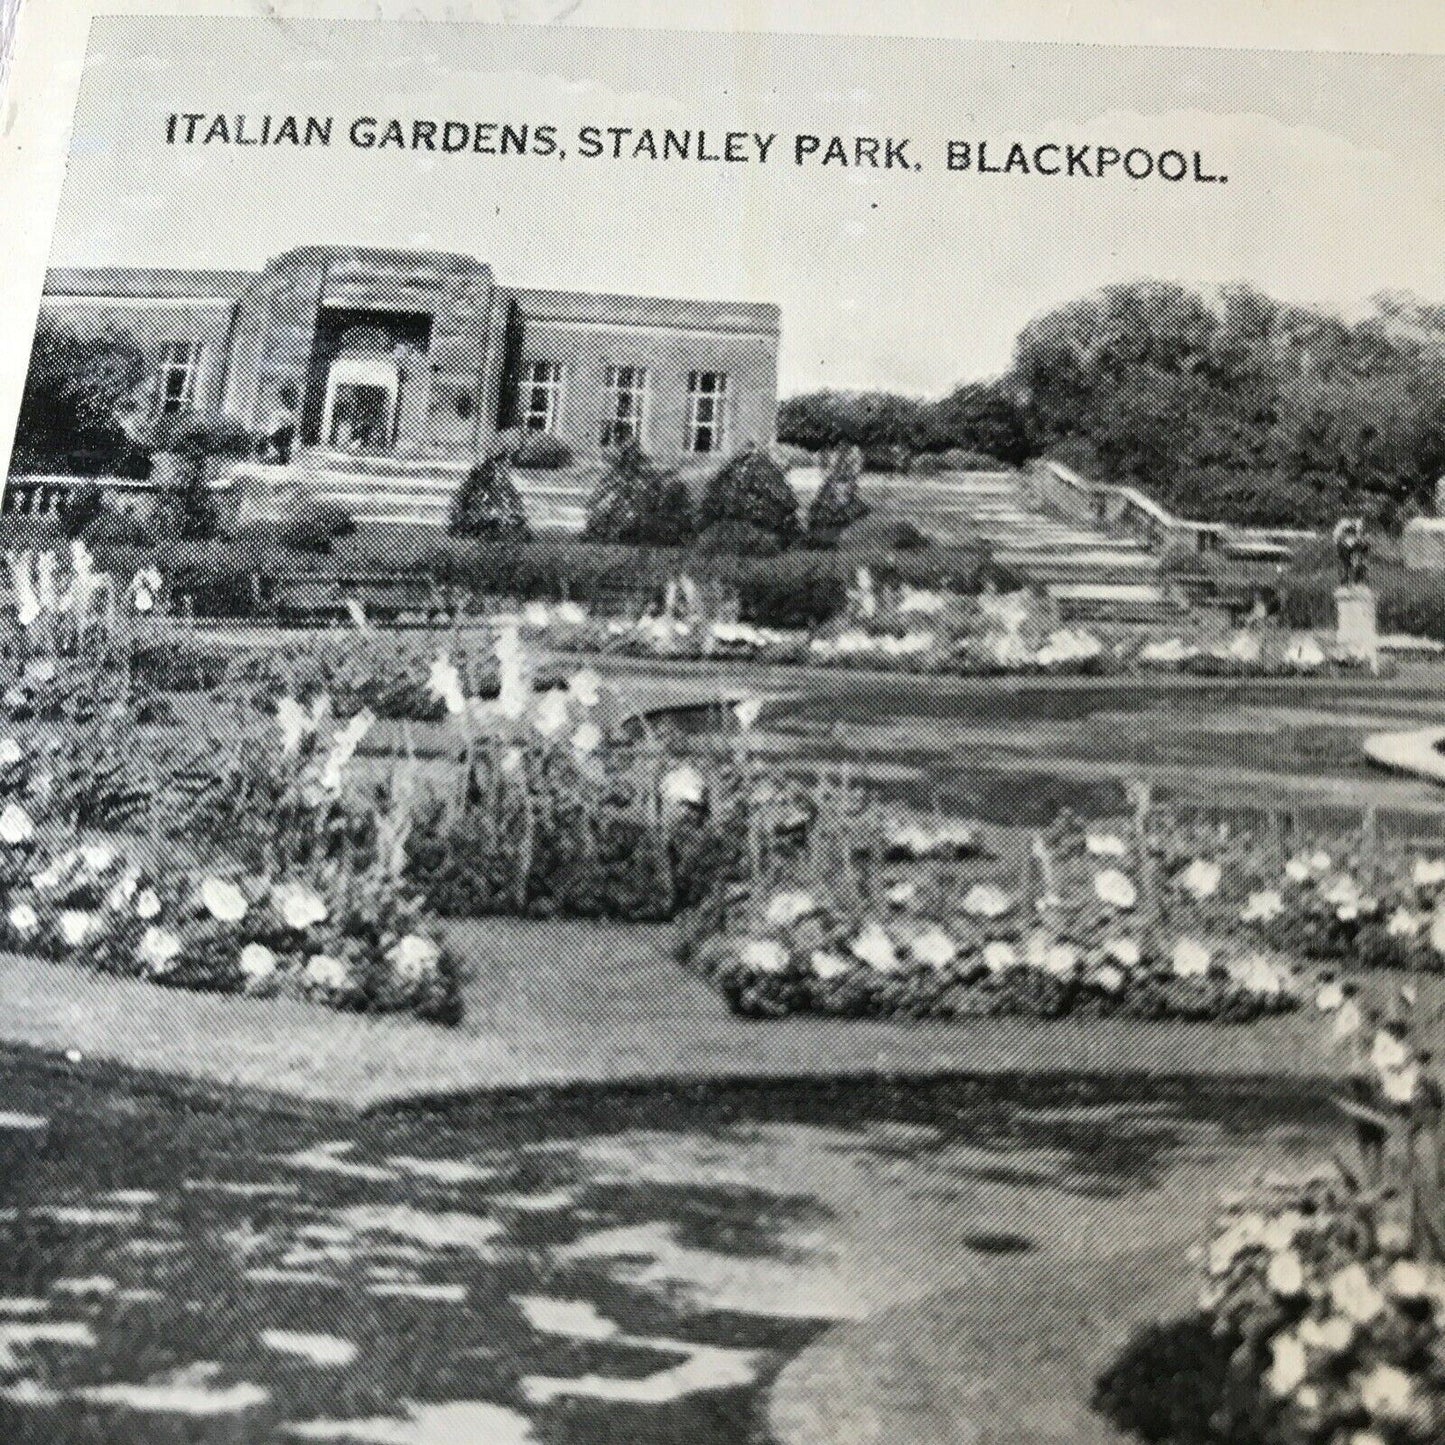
(1286, 1275)
(1389, 1051)
(1106, 845)
(1437, 930)
(24, 919)
(1330, 997)
(10, 752)
(97, 857)
(999, 957)
(785, 909)
(415, 958)
(875, 948)
(900, 895)
(147, 904)
(1348, 1021)
(1258, 975)
(586, 687)
(587, 739)
(1115, 888)
(1405, 923)
(328, 973)
(1408, 1280)
(1428, 872)
(224, 901)
(552, 714)
(1058, 959)
(158, 950)
(764, 955)
(933, 948)
(1329, 1336)
(1287, 1365)
(1399, 1086)
(257, 964)
(295, 724)
(747, 710)
(1262, 906)
(986, 900)
(684, 784)
(1109, 977)
(300, 906)
(1244, 647)
(1282, 1231)
(827, 964)
(1388, 1393)
(1297, 870)
(1246, 1232)
(15, 825)
(1304, 653)
(1354, 1296)
(1201, 878)
(1191, 959)
(1124, 951)
(444, 682)
(75, 926)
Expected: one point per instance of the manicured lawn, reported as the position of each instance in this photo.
(591, 1265)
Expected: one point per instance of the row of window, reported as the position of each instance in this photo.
(625, 402)
(625, 409)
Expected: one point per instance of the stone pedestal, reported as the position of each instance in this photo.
(1356, 631)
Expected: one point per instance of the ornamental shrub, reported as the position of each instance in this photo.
(637, 502)
(487, 504)
(541, 451)
(838, 503)
(315, 526)
(752, 489)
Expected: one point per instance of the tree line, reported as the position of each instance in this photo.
(1229, 406)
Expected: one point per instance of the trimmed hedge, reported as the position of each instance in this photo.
(797, 589)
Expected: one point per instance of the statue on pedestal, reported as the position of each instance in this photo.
(1353, 549)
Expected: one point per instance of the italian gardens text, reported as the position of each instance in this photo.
(988, 156)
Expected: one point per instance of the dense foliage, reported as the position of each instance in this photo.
(75, 392)
(636, 502)
(750, 489)
(487, 504)
(1233, 406)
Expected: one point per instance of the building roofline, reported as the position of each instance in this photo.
(150, 283)
(619, 309)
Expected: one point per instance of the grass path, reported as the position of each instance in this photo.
(606, 1265)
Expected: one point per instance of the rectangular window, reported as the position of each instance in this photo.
(542, 396)
(180, 366)
(625, 414)
(706, 398)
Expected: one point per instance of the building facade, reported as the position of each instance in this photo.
(421, 354)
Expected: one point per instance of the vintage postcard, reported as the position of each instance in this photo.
(722, 736)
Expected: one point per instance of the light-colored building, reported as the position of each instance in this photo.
(423, 354)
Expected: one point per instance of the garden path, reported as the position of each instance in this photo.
(566, 1004)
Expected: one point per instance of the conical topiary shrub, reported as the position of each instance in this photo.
(639, 504)
(487, 504)
(838, 503)
(753, 490)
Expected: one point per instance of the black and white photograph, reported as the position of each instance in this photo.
(725, 738)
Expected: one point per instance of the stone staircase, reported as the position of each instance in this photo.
(415, 491)
(1093, 575)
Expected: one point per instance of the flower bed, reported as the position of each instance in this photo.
(877, 932)
(917, 630)
(1330, 898)
(1322, 1300)
(358, 943)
